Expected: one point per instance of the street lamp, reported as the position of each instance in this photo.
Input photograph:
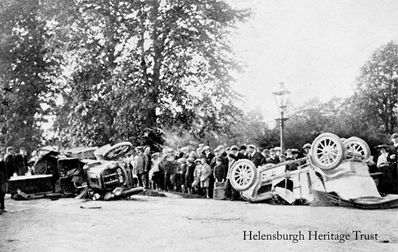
(281, 97)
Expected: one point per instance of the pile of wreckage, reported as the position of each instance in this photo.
(335, 172)
(96, 173)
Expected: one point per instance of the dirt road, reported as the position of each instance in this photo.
(175, 224)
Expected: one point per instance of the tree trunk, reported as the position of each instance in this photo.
(155, 83)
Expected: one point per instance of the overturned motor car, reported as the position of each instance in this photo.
(334, 172)
(108, 176)
(97, 173)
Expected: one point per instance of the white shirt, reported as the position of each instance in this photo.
(382, 159)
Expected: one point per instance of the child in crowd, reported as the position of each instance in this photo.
(196, 175)
(205, 176)
(220, 170)
(189, 175)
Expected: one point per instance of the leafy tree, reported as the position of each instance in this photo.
(27, 71)
(142, 64)
(378, 86)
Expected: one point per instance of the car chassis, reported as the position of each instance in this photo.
(334, 170)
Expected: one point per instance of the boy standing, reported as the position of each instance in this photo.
(205, 176)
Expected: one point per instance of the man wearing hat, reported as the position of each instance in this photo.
(209, 155)
(392, 174)
(255, 156)
(233, 154)
(242, 152)
(139, 166)
(273, 158)
(265, 153)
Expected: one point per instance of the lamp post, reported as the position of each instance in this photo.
(281, 97)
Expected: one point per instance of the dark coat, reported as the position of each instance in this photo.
(189, 177)
(10, 164)
(241, 156)
(274, 160)
(391, 174)
(3, 180)
(3, 171)
(209, 158)
(223, 156)
(257, 158)
(20, 164)
(292, 166)
(148, 162)
(233, 157)
(220, 172)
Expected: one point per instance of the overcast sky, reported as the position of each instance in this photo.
(315, 47)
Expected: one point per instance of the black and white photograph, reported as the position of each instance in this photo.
(198, 125)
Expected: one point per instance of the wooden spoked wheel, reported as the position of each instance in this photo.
(327, 151)
(117, 150)
(356, 149)
(243, 174)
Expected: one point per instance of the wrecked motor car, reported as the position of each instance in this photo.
(97, 173)
(335, 172)
(109, 176)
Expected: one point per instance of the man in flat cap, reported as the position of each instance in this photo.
(209, 155)
(265, 153)
(233, 154)
(255, 156)
(139, 166)
(242, 152)
(273, 158)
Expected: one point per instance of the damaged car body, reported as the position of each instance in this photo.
(335, 172)
(109, 177)
(97, 173)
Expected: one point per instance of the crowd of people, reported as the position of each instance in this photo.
(191, 170)
(197, 170)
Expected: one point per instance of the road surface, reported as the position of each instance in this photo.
(176, 224)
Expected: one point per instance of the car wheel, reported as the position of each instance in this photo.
(356, 148)
(327, 151)
(243, 174)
